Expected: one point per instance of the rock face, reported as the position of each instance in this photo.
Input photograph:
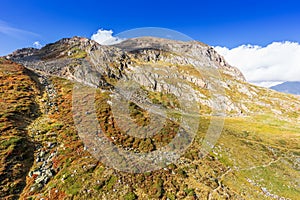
(61, 54)
(148, 61)
(183, 53)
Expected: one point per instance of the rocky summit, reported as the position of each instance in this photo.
(252, 152)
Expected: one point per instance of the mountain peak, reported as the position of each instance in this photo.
(291, 87)
(190, 52)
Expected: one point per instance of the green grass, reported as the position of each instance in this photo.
(130, 196)
(77, 53)
(250, 144)
(11, 141)
(74, 189)
(110, 183)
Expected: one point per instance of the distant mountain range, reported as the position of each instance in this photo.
(291, 87)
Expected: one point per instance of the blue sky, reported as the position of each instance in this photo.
(223, 23)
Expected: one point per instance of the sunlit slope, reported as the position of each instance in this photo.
(256, 157)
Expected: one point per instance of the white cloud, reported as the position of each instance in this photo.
(267, 83)
(105, 37)
(277, 62)
(37, 45)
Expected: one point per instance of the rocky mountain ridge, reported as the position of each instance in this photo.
(86, 61)
(184, 53)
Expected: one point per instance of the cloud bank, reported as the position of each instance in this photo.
(105, 37)
(278, 62)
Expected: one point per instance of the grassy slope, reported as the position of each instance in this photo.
(257, 148)
(253, 153)
(17, 109)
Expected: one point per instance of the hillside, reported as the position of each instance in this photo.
(18, 109)
(47, 129)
